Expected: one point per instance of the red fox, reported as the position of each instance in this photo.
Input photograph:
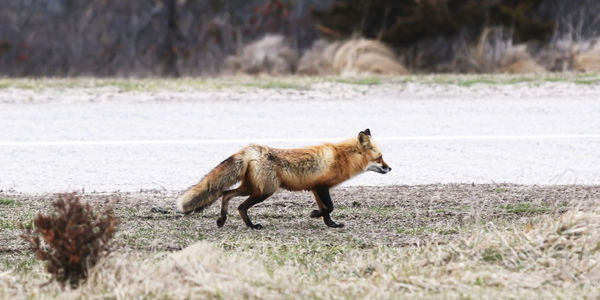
(263, 170)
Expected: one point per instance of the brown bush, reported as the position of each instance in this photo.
(270, 54)
(318, 60)
(359, 56)
(524, 66)
(495, 52)
(588, 61)
(72, 238)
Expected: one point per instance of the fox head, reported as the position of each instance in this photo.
(371, 151)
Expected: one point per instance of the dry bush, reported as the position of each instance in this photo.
(362, 56)
(523, 66)
(588, 61)
(495, 52)
(318, 60)
(72, 238)
(572, 46)
(560, 55)
(269, 55)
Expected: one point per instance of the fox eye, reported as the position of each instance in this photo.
(380, 157)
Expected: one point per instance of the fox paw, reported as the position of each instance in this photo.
(335, 225)
(220, 222)
(256, 226)
(316, 213)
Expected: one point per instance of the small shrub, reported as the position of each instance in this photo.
(72, 238)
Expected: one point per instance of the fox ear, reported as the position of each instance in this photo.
(367, 132)
(363, 138)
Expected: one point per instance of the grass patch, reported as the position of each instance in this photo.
(524, 207)
(277, 85)
(7, 202)
(469, 80)
(472, 82)
(126, 85)
(289, 82)
(587, 81)
(360, 81)
(414, 230)
(23, 264)
(456, 209)
(422, 230)
(554, 79)
(491, 255)
(7, 225)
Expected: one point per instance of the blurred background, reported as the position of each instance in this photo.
(310, 37)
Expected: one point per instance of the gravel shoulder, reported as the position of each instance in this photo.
(242, 89)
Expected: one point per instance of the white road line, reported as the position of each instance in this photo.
(293, 140)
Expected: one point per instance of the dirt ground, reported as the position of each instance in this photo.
(373, 216)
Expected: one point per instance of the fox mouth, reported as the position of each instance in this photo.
(379, 169)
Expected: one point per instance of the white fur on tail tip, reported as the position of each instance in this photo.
(180, 201)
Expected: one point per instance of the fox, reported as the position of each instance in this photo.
(263, 170)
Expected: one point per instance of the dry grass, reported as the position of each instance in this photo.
(588, 61)
(273, 55)
(362, 56)
(318, 60)
(269, 55)
(570, 54)
(496, 53)
(451, 241)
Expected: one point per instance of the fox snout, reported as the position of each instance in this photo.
(379, 167)
(384, 169)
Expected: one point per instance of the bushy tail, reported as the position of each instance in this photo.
(208, 190)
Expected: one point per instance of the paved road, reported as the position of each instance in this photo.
(506, 135)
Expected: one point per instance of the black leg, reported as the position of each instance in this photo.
(222, 219)
(243, 209)
(227, 195)
(326, 207)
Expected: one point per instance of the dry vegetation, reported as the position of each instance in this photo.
(72, 239)
(457, 241)
(273, 55)
(494, 52)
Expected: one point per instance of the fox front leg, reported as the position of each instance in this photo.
(325, 207)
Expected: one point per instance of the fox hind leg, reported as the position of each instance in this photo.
(227, 195)
(325, 205)
(318, 212)
(251, 201)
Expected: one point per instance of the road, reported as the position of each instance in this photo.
(102, 140)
